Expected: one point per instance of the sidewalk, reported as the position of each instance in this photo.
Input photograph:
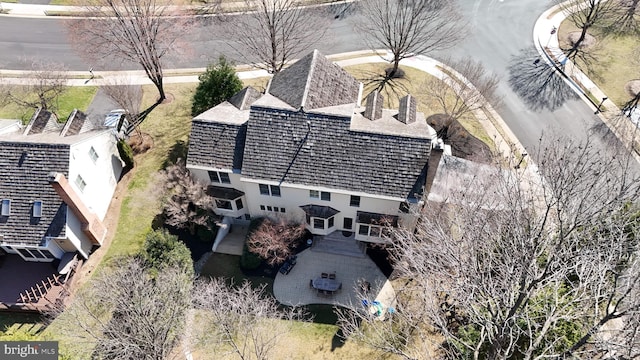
(66, 11)
(505, 141)
(547, 43)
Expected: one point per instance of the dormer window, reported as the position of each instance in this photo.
(37, 208)
(6, 207)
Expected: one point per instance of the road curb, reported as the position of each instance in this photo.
(607, 111)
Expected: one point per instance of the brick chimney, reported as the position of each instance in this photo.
(407, 110)
(91, 224)
(373, 106)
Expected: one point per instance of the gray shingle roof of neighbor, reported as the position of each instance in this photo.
(216, 145)
(24, 173)
(314, 82)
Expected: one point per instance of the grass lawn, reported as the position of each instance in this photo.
(169, 126)
(412, 84)
(616, 61)
(74, 97)
(14, 325)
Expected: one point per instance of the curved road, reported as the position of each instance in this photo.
(536, 102)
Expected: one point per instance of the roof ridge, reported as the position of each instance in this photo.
(307, 85)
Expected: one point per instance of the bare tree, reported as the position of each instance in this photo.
(585, 15)
(626, 17)
(143, 32)
(459, 94)
(46, 83)
(129, 98)
(275, 239)
(270, 33)
(128, 314)
(186, 204)
(513, 267)
(240, 320)
(409, 27)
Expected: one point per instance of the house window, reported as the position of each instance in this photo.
(282, 210)
(374, 231)
(314, 194)
(331, 222)
(37, 209)
(273, 190)
(80, 183)
(318, 223)
(93, 154)
(35, 253)
(262, 207)
(219, 177)
(6, 207)
(326, 196)
(269, 208)
(239, 204)
(355, 201)
(348, 223)
(223, 204)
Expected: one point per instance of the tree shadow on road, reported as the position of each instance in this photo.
(537, 83)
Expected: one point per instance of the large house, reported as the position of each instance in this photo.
(311, 149)
(56, 183)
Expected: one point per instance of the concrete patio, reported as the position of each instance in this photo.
(294, 289)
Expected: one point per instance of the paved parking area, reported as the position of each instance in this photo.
(294, 288)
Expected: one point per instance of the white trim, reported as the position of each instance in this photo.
(209, 168)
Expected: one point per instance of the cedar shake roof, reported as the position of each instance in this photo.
(216, 145)
(307, 130)
(314, 82)
(42, 121)
(244, 98)
(74, 123)
(321, 150)
(24, 178)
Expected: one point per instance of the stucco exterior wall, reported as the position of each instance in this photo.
(101, 176)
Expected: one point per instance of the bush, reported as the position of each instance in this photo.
(126, 154)
(249, 260)
(217, 84)
(161, 250)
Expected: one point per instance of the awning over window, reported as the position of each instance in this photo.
(317, 211)
(364, 217)
(220, 192)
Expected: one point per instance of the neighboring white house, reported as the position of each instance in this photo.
(308, 150)
(56, 183)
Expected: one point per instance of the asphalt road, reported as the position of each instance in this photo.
(536, 103)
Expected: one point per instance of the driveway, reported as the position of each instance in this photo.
(294, 288)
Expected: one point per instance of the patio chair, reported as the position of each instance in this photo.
(324, 275)
(332, 276)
